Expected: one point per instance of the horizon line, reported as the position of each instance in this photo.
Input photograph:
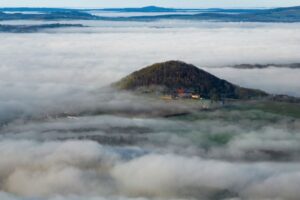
(183, 8)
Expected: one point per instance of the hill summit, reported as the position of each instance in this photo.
(172, 76)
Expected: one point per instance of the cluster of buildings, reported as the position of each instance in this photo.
(182, 93)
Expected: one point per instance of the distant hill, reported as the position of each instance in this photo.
(259, 66)
(30, 9)
(143, 9)
(54, 14)
(34, 28)
(173, 75)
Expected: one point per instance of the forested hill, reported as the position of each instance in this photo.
(172, 75)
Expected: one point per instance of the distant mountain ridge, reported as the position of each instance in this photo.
(173, 75)
(283, 15)
(142, 9)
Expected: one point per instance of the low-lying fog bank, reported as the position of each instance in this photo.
(98, 55)
(85, 169)
(65, 137)
(222, 154)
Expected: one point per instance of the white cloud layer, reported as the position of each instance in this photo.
(46, 72)
(83, 169)
(224, 154)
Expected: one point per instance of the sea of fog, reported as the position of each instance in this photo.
(65, 136)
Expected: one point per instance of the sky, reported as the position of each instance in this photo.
(140, 3)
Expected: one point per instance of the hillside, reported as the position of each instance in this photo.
(173, 75)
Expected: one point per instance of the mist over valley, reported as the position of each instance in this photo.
(66, 133)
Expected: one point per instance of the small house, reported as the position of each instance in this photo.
(195, 96)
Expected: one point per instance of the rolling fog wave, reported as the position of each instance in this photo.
(87, 169)
(215, 155)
